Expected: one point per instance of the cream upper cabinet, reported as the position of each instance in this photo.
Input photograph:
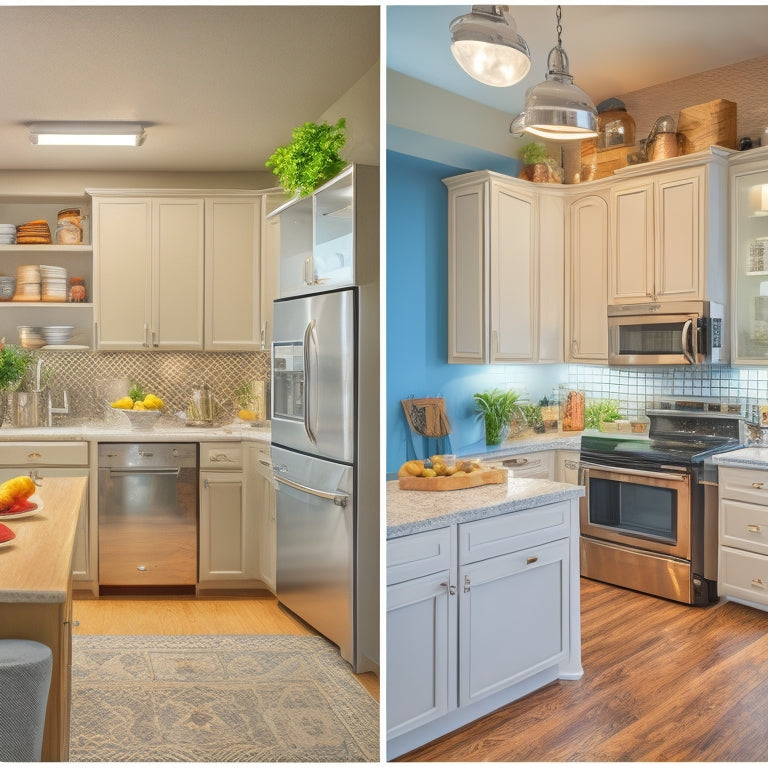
(586, 275)
(749, 257)
(668, 231)
(505, 262)
(232, 273)
(149, 273)
(179, 270)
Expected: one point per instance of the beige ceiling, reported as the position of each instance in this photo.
(219, 87)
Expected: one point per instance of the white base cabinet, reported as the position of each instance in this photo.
(227, 535)
(478, 615)
(743, 538)
(260, 499)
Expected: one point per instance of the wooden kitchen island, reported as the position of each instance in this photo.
(36, 594)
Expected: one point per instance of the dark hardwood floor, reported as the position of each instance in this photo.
(662, 682)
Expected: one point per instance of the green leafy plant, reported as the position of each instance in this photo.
(600, 410)
(311, 159)
(496, 407)
(533, 416)
(534, 153)
(14, 362)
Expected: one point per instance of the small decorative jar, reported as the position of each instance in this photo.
(77, 289)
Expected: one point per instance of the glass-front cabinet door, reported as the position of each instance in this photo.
(749, 260)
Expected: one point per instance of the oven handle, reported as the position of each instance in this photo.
(585, 467)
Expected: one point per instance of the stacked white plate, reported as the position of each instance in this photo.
(54, 283)
(7, 234)
(27, 283)
(57, 335)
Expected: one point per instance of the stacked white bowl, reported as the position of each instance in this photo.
(7, 234)
(57, 334)
(54, 283)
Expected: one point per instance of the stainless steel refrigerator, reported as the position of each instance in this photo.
(325, 449)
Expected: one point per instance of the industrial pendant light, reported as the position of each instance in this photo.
(487, 46)
(557, 109)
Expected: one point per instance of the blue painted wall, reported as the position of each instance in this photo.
(417, 314)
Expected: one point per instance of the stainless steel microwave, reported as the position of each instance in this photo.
(674, 333)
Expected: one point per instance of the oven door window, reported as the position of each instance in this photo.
(288, 381)
(634, 508)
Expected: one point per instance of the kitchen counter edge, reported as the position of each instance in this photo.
(410, 512)
(752, 457)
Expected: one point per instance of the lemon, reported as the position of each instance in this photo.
(139, 406)
(247, 415)
(125, 403)
(428, 473)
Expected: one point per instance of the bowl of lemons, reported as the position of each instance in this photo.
(142, 409)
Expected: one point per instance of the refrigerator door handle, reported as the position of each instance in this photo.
(339, 499)
(310, 335)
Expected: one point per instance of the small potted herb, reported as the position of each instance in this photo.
(538, 166)
(498, 408)
(311, 159)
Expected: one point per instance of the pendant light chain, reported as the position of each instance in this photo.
(559, 14)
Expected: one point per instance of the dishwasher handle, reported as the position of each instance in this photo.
(175, 471)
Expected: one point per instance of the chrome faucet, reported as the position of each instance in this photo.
(52, 410)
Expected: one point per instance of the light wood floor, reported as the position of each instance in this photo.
(193, 616)
(662, 682)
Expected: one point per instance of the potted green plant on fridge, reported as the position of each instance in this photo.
(497, 408)
(311, 159)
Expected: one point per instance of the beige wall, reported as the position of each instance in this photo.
(360, 105)
(743, 83)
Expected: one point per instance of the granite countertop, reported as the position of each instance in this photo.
(167, 429)
(415, 511)
(753, 457)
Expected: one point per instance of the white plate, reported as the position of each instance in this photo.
(35, 499)
(7, 543)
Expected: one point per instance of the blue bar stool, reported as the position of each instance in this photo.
(25, 679)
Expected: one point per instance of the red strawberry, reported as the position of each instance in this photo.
(6, 534)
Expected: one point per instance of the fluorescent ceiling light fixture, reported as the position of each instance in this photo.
(75, 134)
(487, 46)
(557, 109)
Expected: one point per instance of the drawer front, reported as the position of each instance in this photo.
(743, 575)
(44, 454)
(223, 456)
(420, 554)
(510, 533)
(743, 485)
(528, 465)
(744, 526)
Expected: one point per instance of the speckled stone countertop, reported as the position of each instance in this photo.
(167, 429)
(754, 457)
(415, 511)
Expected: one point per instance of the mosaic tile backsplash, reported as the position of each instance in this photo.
(170, 375)
(636, 388)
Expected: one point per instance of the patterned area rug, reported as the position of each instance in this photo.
(218, 698)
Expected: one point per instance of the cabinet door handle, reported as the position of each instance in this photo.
(466, 583)
(759, 583)
(146, 333)
(531, 560)
(451, 587)
(758, 486)
(753, 528)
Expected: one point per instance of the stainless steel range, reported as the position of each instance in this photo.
(649, 516)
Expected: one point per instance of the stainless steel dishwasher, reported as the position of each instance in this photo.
(147, 517)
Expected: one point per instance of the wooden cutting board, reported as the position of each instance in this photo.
(453, 483)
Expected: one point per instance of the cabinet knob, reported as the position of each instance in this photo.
(531, 560)
(759, 583)
(758, 485)
(753, 528)
(451, 587)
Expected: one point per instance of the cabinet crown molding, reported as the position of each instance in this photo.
(96, 192)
